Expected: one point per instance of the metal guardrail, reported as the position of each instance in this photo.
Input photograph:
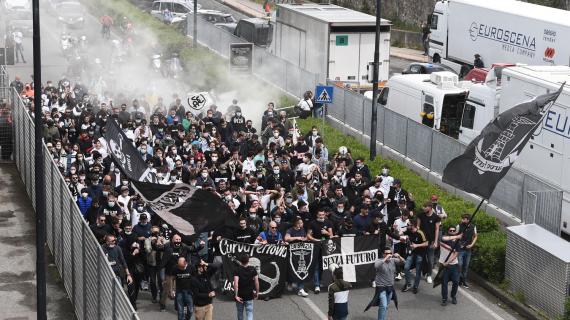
(89, 281)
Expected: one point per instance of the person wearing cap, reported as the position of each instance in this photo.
(478, 62)
(362, 221)
(429, 223)
(142, 229)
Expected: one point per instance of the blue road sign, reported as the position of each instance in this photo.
(324, 94)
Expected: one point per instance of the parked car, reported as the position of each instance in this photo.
(215, 16)
(256, 30)
(425, 68)
(179, 8)
(17, 8)
(71, 14)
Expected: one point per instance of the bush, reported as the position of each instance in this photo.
(488, 258)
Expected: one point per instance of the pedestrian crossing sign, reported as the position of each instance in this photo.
(324, 94)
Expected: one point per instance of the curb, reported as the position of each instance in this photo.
(518, 307)
(248, 12)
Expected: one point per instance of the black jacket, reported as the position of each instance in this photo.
(201, 287)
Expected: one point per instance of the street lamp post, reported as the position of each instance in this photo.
(195, 31)
(39, 179)
(375, 84)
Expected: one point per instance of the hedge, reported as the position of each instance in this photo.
(488, 258)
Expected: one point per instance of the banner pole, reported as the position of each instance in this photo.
(439, 272)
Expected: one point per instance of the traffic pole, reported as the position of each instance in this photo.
(39, 179)
(195, 31)
(374, 119)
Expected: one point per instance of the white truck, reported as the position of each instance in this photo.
(435, 99)
(500, 31)
(332, 41)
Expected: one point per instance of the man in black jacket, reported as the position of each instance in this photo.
(172, 252)
(202, 291)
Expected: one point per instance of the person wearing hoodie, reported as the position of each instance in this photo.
(202, 291)
(338, 297)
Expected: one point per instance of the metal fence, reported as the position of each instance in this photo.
(543, 276)
(279, 72)
(4, 82)
(433, 150)
(88, 279)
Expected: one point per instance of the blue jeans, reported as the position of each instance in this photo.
(464, 259)
(248, 306)
(317, 274)
(418, 259)
(451, 272)
(184, 299)
(430, 258)
(383, 302)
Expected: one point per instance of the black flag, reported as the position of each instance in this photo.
(126, 155)
(491, 154)
(187, 209)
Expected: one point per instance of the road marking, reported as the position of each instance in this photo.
(315, 309)
(481, 305)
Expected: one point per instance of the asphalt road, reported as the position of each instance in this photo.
(473, 304)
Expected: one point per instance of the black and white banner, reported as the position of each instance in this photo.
(270, 261)
(126, 155)
(356, 256)
(187, 209)
(303, 257)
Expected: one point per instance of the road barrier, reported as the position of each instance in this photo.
(91, 285)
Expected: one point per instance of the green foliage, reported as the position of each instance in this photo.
(519, 296)
(488, 259)
(566, 315)
(489, 253)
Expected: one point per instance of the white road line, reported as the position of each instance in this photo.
(481, 305)
(315, 309)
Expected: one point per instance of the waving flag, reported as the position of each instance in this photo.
(491, 154)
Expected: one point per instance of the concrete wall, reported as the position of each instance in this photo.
(410, 12)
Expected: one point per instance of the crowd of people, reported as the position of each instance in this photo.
(284, 187)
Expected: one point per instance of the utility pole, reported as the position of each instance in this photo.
(39, 178)
(374, 119)
(195, 33)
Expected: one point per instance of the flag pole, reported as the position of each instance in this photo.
(439, 272)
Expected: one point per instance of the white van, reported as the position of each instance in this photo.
(179, 8)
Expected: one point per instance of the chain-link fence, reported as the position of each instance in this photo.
(88, 279)
(6, 134)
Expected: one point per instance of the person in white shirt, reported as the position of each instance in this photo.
(437, 208)
(387, 181)
(18, 37)
(400, 226)
(248, 166)
(377, 186)
(123, 199)
(306, 104)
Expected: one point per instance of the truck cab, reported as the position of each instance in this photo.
(435, 100)
(438, 35)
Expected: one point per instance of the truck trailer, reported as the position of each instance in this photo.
(499, 31)
(334, 42)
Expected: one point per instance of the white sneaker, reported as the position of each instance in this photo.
(399, 276)
(373, 284)
(429, 279)
(302, 293)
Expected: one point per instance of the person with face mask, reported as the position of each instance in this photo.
(84, 202)
(110, 208)
(387, 180)
(237, 122)
(276, 138)
(154, 246)
(124, 199)
(116, 259)
(136, 260)
(204, 178)
(172, 252)
(142, 228)
(319, 229)
(312, 136)
(254, 221)
(101, 228)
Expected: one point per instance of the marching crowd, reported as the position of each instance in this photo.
(283, 186)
